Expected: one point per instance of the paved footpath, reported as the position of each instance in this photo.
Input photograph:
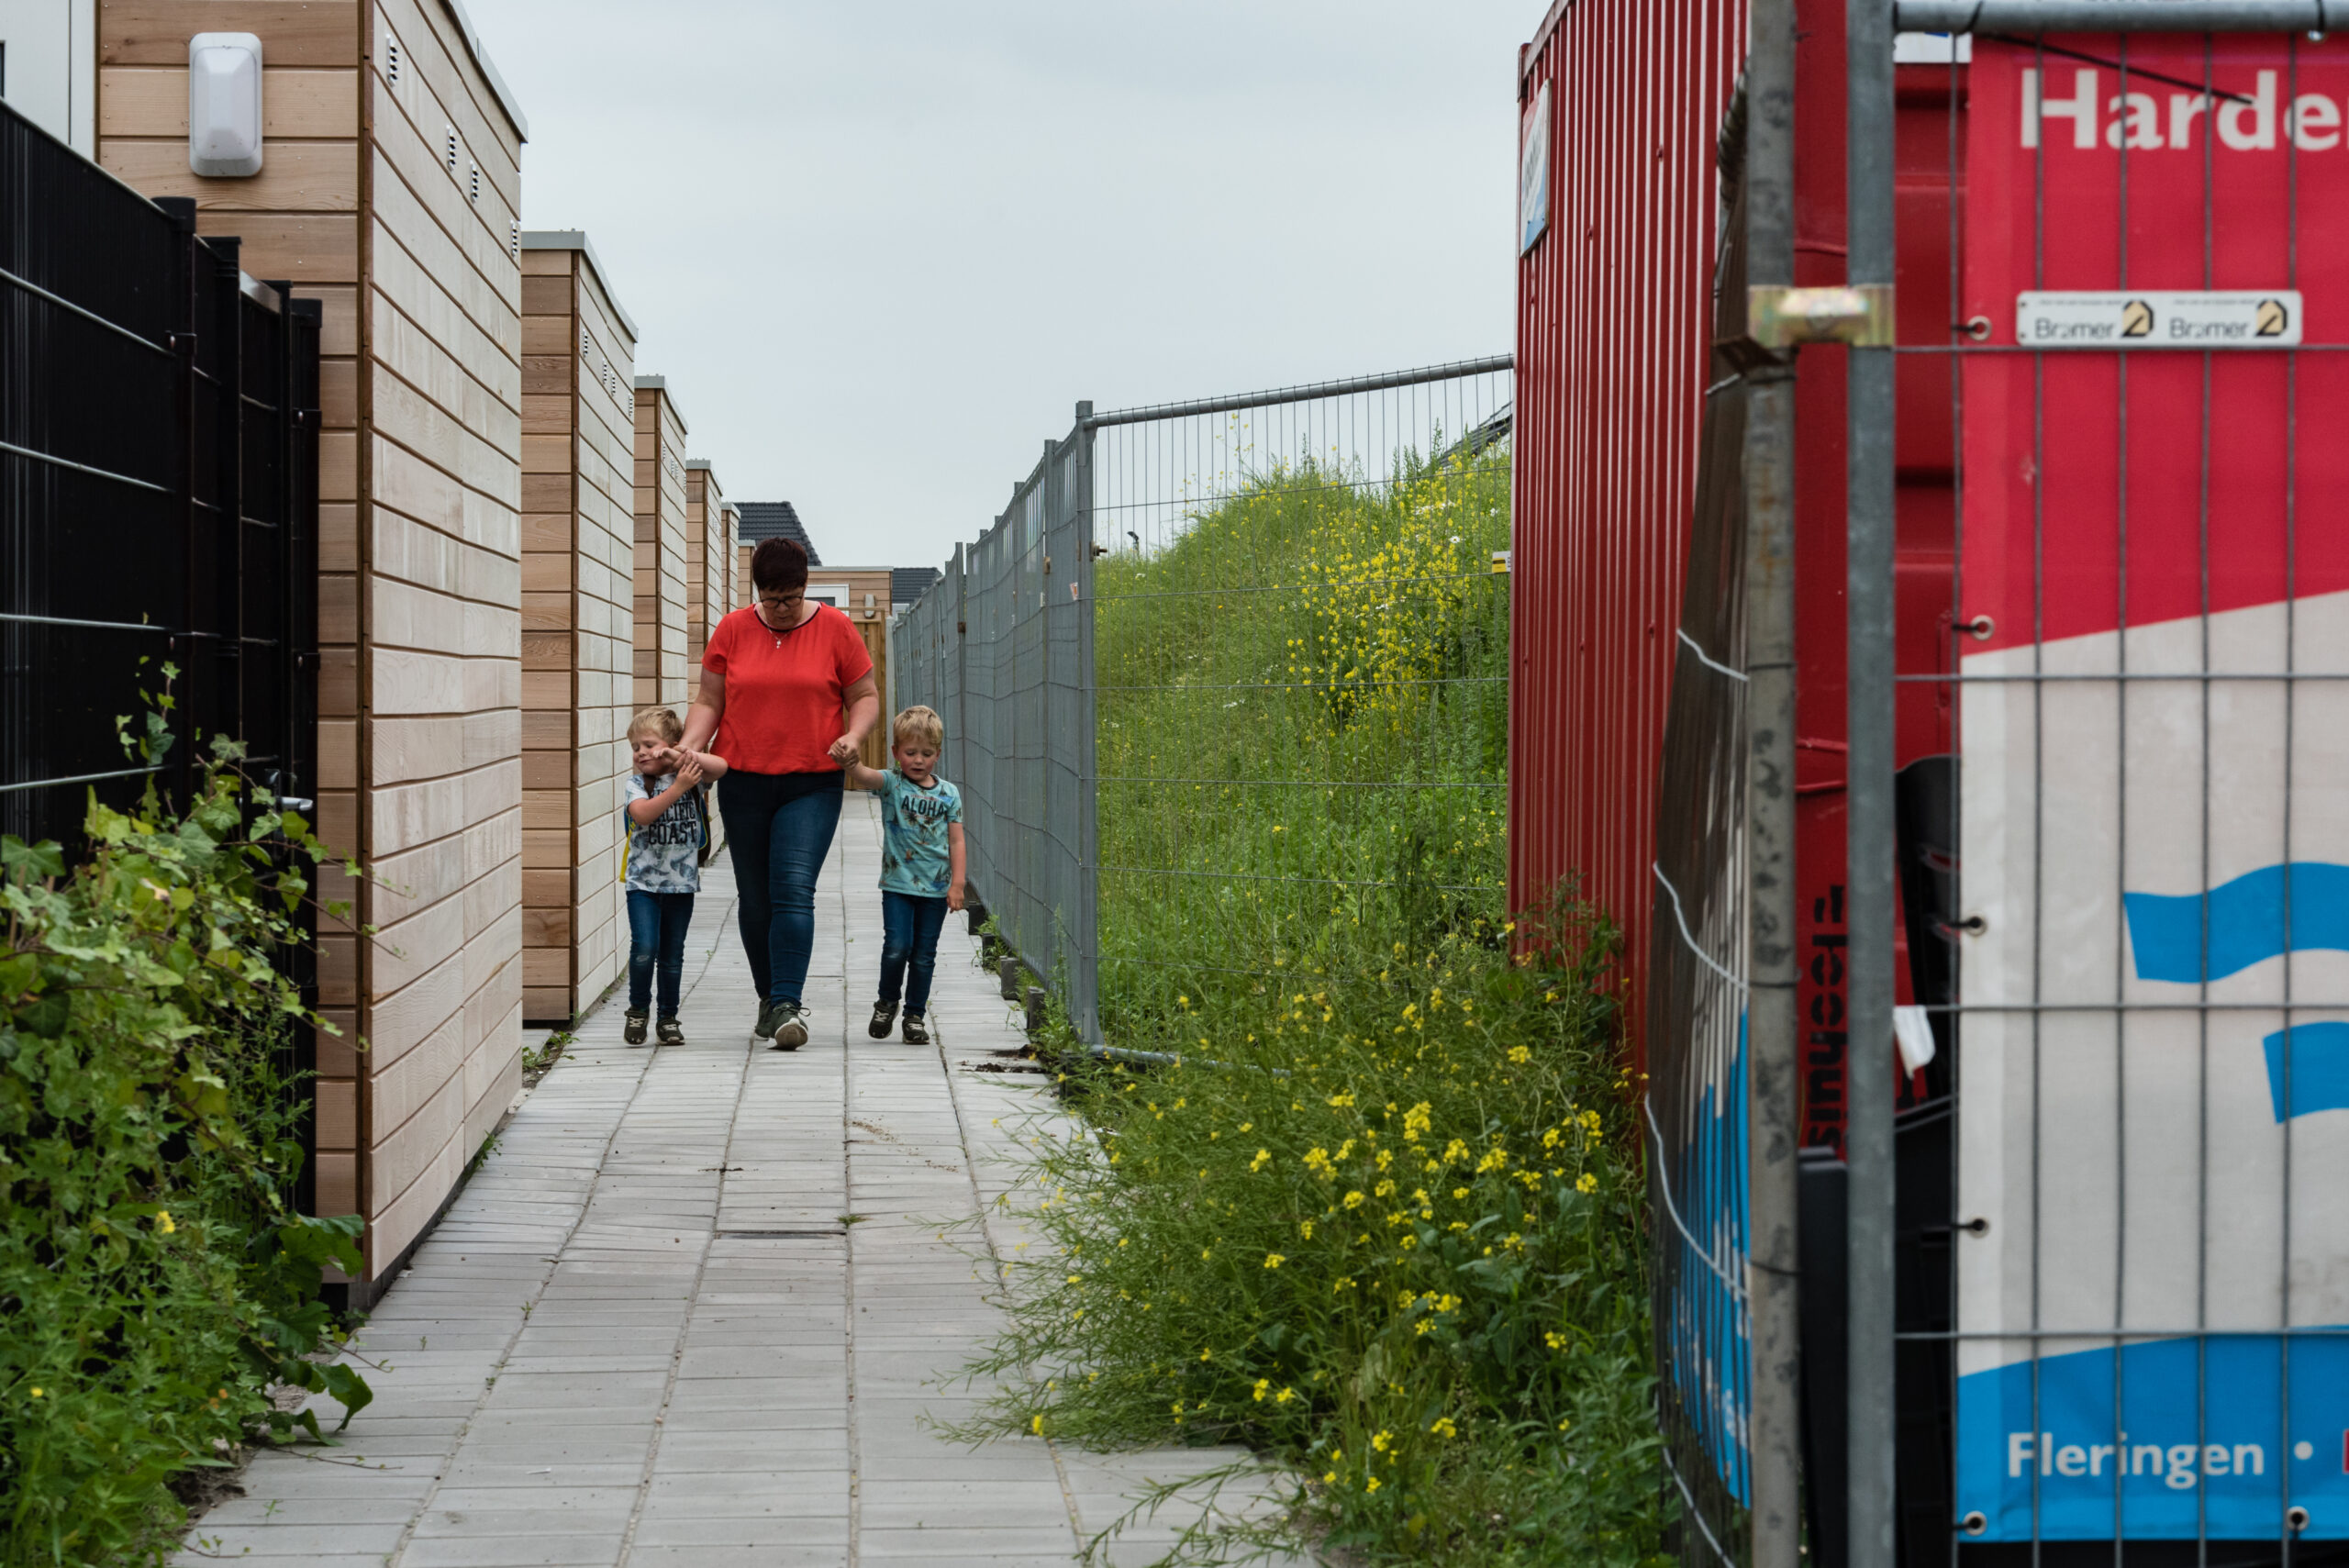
(647, 1332)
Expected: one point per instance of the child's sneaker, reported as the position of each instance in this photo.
(885, 1014)
(670, 1032)
(791, 1027)
(634, 1033)
(916, 1029)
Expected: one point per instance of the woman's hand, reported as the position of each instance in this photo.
(710, 764)
(845, 749)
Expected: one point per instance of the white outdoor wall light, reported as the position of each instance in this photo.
(224, 104)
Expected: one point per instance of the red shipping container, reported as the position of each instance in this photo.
(1612, 356)
(1613, 314)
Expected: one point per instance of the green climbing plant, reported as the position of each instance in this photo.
(156, 1281)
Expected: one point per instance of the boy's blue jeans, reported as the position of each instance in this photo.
(656, 939)
(909, 927)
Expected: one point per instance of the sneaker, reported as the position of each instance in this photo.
(771, 1016)
(670, 1032)
(885, 1014)
(916, 1029)
(634, 1033)
(791, 1027)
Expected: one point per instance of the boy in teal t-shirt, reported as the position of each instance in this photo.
(921, 866)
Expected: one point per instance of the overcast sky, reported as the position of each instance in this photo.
(880, 251)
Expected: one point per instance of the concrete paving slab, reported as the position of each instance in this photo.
(596, 1359)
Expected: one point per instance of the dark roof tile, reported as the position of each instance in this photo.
(776, 519)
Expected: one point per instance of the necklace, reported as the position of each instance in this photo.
(778, 635)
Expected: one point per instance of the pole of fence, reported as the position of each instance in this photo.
(186, 251)
(1869, 880)
(2035, 17)
(1773, 1019)
(1085, 981)
(949, 634)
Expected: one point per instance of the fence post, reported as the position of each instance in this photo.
(1870, 897)
(1085, 972)
(185, 252)
(225, 560)
(1772, 1027)
(950, 639)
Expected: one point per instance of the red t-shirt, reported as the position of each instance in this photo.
(784, 690)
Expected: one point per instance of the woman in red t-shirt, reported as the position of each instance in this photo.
(774, 683)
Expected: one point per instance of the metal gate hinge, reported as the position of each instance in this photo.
(1779, 317)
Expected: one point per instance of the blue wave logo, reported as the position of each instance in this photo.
(2194, 937)
(2318, 1055)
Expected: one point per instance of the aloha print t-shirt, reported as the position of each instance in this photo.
(913, 834)
(665, 854)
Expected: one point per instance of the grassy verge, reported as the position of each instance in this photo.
(1383, 1222)
(1303, 736)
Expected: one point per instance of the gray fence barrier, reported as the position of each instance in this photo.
(1257, 817)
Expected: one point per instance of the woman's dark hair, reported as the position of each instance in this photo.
(779, 564)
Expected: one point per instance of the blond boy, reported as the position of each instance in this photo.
(921, 867)
(666, 820)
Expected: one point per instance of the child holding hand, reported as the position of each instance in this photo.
(921, 866)
(666, 820)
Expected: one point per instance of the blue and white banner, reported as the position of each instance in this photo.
(2157, 1142)
(2154, 1051)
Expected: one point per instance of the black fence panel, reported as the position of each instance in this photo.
(158, 495)
(158, 506)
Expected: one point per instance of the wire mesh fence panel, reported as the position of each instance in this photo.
(1236, 668)
(2123, 694)
(999, 645)
(1301, 646)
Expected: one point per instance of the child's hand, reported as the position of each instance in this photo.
(844, 752)
(954, 898)
(688, 769)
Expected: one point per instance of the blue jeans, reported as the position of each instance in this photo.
(656, 939)
(779, 829)
(909, 927)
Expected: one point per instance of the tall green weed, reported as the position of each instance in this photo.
(1390, 1238)
(155, 1282)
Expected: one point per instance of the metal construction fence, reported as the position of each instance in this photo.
(1996, 989)
(1002, 647)
(1225, 689)
(2138, 994)
(158, 494)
